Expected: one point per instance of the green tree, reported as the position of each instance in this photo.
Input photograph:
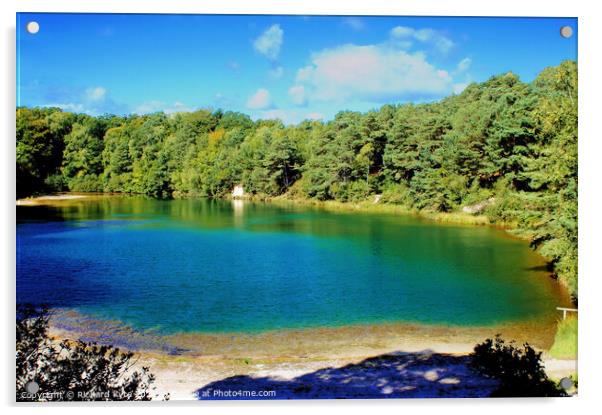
(39, 148)
(82, 157)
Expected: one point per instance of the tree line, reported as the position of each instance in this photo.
(511, 143)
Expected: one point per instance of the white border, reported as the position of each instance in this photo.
(590, 23)
(305, 7)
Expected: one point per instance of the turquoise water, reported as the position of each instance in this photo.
(221, 266)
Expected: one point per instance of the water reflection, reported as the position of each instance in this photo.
(238, 206)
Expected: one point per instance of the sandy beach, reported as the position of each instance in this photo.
(49, 199)
(406, 360)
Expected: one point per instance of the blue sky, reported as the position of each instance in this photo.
(287, 67)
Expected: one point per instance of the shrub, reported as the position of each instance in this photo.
(85, 183)
(476, 194)
(397, 194)
(55, 183)
(519, 369)
(358, 191)
(70, 370)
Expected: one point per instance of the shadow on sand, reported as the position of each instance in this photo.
(397, 375)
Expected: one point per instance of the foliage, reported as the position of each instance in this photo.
(503, 139)
(69, 370)
(519, 369)
(40, 144)
(565, 342)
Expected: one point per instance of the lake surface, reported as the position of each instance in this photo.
(221, 266)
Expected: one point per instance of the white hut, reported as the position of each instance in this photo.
(238, 192)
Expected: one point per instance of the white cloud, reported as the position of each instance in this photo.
(314, 116)
(373, 73)
(270, 41)
(287, 116)
(277, 72)
(354, 23)
(149, 107)
(297, 94)
(461, 71)
(261, 99)
(403, 44)
(402, 31)
(178, 107)
(160, 106)
(459, 87)
(463, 65)
(96, 94)
(304, 74)
(404, 36)
(92, 101)
(70, 107)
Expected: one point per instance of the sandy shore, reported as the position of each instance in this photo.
(412, 360)
(48, 199)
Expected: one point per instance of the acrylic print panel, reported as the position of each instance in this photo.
(306, 207)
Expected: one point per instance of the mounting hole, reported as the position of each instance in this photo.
(33, 27)
(566, 31)
(566, 383)
(32, 387)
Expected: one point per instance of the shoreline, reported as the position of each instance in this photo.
(368, 207)
(318, 341)
(53, 198)
(186, 362)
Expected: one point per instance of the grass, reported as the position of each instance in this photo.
(244, 361)
(368, 206)
(457, 218)
(565, 342)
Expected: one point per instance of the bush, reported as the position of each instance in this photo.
(70, 370)
(397, 194)
(476, 194)
(519, 370)
(55, 183)
(85, 183)
(299, 189)
(358, 191)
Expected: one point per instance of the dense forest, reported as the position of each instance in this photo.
(510, 143)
